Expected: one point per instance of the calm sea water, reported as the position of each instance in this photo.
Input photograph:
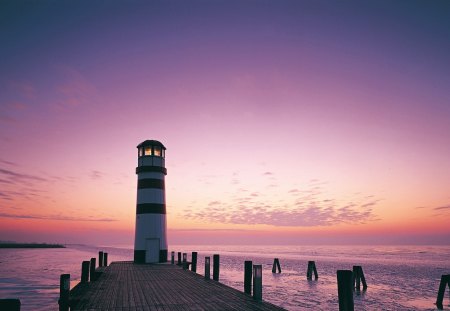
(399, 277)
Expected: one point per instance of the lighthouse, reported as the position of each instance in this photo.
(150, 242)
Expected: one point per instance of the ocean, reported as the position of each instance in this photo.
(398, 277)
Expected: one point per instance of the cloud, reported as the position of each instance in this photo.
(8, 162)
(76, 90)
(25, 89)
(56, 217)
(308, 210)
(95, 175)
(268, 173)
(442, 208)
(20, 175)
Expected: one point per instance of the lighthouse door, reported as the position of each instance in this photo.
(152, 250)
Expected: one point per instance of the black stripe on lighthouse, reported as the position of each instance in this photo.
(150, 208)
(150, 183)
(154, 169)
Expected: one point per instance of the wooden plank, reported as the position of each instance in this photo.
(128, 286)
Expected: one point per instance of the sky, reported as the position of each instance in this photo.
(285, 122)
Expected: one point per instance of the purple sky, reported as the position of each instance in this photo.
(305, 120)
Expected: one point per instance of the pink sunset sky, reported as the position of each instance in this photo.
(285, 122)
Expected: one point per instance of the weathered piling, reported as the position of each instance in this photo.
(194, 262)
(172, 258)
(445, 280)
(216, 264)
(185, 263)
(85, 271)
(358, 277)
(92, 274)
(345, 290)
(10, 304)
(64, 292)
(105, 259)
(100, 259)
(207, 268)
(257, 282)
(276, 265)
(248, 274)
(179, 259)
(311, 269)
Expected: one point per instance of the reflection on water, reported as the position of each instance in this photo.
(399, 278)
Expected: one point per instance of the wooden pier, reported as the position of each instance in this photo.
(128, 286)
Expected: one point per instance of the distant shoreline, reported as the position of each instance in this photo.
(30, 245)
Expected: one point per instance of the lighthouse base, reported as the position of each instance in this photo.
(139, 256)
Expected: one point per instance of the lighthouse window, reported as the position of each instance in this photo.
(163, 153)
(141, 152)
(148, 151)
(157, 151)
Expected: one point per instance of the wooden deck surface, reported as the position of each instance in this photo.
(128, 286)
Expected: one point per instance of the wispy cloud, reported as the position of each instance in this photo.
(8, 162)
(56, 217)
(95, 175)
(442, 208)
(306, 208)
(75, 89)
(20, 175)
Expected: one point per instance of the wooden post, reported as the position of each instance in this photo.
(311, 269)
(207, 267)
(64, 292)
(92, 270)
(257, 282)
(358, 277)
(445, 280)
(248, 274)
(172, 258)
(85, 271)
(185, 266)
(105, 259)
(345, 290)
(276, 264)
(216, 264)
(194, 262)
(10, 304)
(179, 259)
(100, 259)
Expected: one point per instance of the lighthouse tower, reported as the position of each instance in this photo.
(150, 242)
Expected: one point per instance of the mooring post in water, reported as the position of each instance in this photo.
(194, 262)
(64, 292)
(216, 265)
(179, 259)
(105, 259)
(185, 263)
(10, 304)
(358, 277)
(257, 282)
(445, 280)
(92, 270)
(172, 258)
(100, 259)
(311, 269)
(345, 290)
(276, 265)
(248, 274)
(207, 267)
(85, 271)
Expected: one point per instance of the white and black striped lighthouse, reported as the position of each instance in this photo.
(150, 242)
